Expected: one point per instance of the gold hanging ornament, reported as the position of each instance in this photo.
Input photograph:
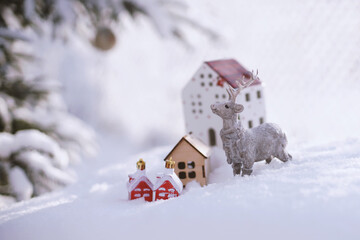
(104, 39)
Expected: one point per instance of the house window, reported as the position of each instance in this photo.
(258, 93)
(200, 111)
(192, 174)
(202, 75)
(181, 165)
(210, 75)
(210, 84)
(199, 96)
(223, 96)
(216, 95)
(212, 137)
(193, 103)
(261, 120)
(203, 171)
(250, 124)
(247, 97)
(200, 103)
(191, 164)
(182, 175)
(202, 84)
(194, 111)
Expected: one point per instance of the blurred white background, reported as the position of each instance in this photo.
(307, 53)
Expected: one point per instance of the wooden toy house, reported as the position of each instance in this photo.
(191, 158)
(168, 184)
(207, 86)
(139, 186)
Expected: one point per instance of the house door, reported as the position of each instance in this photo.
(212, 137)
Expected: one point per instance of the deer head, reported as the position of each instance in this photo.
(226, 110)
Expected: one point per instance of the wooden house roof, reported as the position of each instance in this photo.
(198, 145)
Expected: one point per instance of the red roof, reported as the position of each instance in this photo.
(231, 71)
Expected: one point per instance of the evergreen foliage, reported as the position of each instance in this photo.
(39, 139)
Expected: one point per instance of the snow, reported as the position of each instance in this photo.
(20, 184)
(33, 139)
(39, 163)
(308, 56)
(65, 126)
(45, 163)
(6, 144)
(12, 35)
(314, 196)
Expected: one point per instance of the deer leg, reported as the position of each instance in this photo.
(246, 171)
(268, 160)
(247, 168)
(236, 168)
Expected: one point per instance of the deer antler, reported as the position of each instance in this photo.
(241, 85)
(229, 91)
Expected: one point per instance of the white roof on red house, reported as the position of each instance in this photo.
(230, 70)
(172, 178)
(138, 176)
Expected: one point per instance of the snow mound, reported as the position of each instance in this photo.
(314, 196)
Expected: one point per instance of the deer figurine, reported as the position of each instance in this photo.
(244, 147)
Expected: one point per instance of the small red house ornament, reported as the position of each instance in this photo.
(168, 184)
(139, 186)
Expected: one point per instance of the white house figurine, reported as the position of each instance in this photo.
(208, 85)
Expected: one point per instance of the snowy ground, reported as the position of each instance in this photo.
(315, 196)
